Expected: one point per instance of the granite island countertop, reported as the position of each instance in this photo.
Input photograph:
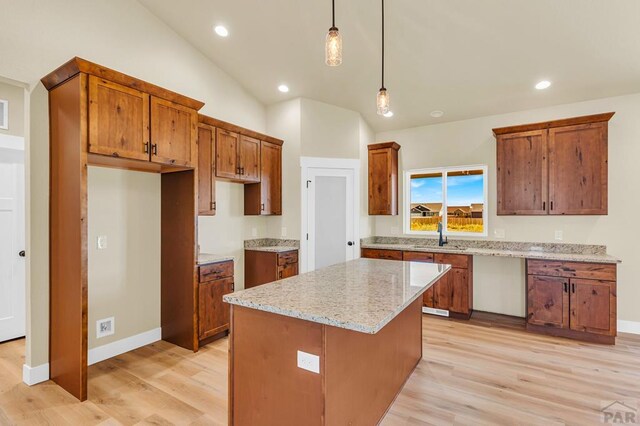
(361, 295)
(543, 251)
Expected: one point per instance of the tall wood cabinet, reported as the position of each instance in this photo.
(553, 168)
(101, 117)
(383, 178)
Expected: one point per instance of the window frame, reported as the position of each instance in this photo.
(445, 170)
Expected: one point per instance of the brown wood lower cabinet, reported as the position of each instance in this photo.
(215, 280)
(261, 267)
(453, 292)
(572, 299)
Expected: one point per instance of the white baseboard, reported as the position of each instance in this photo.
(631, 327)
(124, 345)
(34, 375)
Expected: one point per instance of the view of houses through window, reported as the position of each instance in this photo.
(453, 196)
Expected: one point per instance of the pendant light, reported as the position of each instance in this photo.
(382, 100)
(333, 44)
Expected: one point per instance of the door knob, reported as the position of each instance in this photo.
(21, 253)
(349, 243)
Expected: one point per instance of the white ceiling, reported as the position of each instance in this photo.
(468, 58)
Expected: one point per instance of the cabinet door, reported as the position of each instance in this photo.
(213, 313)
(118, 120)
(459, 290)
(442, 296)
(227, 154)
(522, 173)
(206, 171)
(548, 301)
(593, 306)
(383, 181)
(578, 169)
(427, 298)
(271, 179)
(287, 271)
(173, 133)
(249, 159)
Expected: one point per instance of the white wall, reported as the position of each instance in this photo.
(499, 283)
(37, 37)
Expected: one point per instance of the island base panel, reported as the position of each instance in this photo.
(360, 374)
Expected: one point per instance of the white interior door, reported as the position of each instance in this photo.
(331, 217)
(12, 240)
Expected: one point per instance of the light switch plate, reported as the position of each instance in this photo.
(101, 242)
(309, 362)
(559, 235)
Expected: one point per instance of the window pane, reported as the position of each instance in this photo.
(465, 201)
(426, 202)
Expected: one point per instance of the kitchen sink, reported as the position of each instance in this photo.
(438, 248)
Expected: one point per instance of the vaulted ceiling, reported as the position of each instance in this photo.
(468, 58)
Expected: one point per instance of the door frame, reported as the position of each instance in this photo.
(307, 163)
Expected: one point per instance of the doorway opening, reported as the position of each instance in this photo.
(330, 221)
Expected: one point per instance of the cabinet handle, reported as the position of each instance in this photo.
(544, 206)
(573, 288)
(154, 148)
(213, 205)
(552, 205)
(280, 275)
(146, 147)
(262, 207)
(242, 171)
(566, 287)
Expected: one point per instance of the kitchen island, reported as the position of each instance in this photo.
(332, 346)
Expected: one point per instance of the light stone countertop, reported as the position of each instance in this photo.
(207, 258)
(476, 251)
(273, 249)
(362, 295)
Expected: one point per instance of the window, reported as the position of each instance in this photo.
(456, 197)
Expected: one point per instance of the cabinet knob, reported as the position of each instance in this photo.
(22, 253)
(349, 243)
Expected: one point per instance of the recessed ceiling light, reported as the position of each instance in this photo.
(221, 30)
(543, 85)
(388, 114)
(437, 114)
(283, 88)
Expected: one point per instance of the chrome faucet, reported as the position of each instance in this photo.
(441, 241)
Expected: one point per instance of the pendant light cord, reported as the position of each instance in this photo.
(333, 13)
(383, 44)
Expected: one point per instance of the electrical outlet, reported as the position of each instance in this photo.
(105, 327)
(101, 242)
(498, 233)
(284, 231)
(559, 235)
(254, 232)
(309, 362)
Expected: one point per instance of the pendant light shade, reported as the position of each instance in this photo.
(333, 48)
(382, 101)
(333, 43)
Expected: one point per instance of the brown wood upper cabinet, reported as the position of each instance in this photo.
(127, 123)
(206, 170)
(265, 197)
(556, 167)
(237, 156)
(383, 178)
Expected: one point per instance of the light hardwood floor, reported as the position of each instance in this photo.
(485, 371)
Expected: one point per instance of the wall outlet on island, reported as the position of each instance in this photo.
(309, 362)
(559, 235)
(498, 233)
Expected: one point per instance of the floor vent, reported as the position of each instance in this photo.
(434, 311)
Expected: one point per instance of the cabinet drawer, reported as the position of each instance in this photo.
(417, 256)
(216, 271)
(287, 258)
(455, 260)
(382, 254)
(287, 271)
(556, 268)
